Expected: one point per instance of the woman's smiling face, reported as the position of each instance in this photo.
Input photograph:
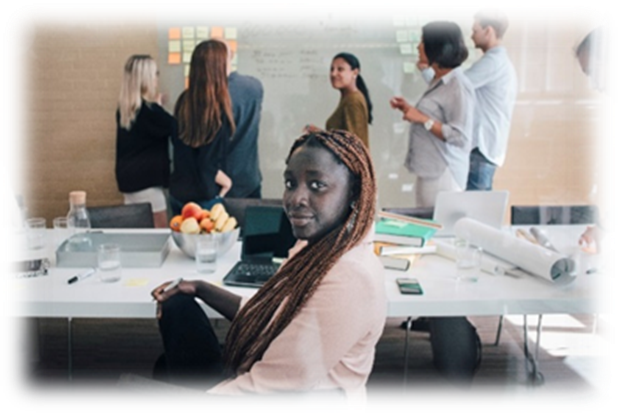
(317, 192)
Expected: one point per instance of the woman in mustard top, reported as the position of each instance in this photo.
(353, 114)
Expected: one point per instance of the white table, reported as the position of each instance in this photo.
(51, 296)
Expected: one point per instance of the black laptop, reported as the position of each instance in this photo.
(267, 237)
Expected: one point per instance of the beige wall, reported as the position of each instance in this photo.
(75, 78)
(71, 132)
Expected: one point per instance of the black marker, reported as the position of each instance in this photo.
(82, 275)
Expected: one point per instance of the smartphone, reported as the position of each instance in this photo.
(409, 286)
(24, 269)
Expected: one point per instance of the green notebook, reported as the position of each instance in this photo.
(405, 233)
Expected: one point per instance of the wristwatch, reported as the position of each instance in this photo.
(428, 124)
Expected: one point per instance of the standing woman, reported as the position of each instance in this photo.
(205, 126)
(441, 123)
(353, 114)
(142, 136)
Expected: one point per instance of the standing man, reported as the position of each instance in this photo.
(495, 87)
(243, 163)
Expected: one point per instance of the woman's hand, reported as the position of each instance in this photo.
(224, 181)
(159, 294)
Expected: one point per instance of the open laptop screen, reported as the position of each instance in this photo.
(267, 233)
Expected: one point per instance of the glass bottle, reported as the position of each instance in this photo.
(78, 219)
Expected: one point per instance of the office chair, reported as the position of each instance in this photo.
(121, 216)
(417, 212)
(236, 207)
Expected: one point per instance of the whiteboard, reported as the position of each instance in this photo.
(293, 60)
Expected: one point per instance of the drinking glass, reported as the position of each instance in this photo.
(35, 233)
(468, 260)
(108, 259)
(206, 254)
(61, 230)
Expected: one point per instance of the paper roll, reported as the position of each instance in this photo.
(535, 259)
(489, 263)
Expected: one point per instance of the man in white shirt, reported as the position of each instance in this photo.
(495, 83)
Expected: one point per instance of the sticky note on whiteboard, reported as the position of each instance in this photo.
(408, 67)
(399, 20)
(231, 33)
(201, 32)
(405, 48)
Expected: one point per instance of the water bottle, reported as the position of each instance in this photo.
(78, 220)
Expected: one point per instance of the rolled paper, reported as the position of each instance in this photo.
(489, 263)
(532, 258)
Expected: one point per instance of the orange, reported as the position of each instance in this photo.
(207, 225)
(175, 223)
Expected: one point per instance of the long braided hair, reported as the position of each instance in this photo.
(274, 305)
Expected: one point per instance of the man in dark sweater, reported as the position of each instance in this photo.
(243, 164)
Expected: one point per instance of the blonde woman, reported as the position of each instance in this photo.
(142, 136)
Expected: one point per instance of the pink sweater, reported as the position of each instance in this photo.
(330, 344)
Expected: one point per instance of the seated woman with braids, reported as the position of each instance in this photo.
(314, 325)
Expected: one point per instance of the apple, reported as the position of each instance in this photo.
(191, 210)
(207, 225)
(190, 226)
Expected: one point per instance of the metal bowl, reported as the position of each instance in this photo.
(188, 242)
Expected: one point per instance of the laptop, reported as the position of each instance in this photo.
(488, 207)
(267, 237)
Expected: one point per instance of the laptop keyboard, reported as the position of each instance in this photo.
(256, 274)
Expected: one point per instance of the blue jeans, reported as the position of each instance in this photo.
(177, 205)
(481, 174)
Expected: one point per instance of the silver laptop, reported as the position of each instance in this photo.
(487, 207)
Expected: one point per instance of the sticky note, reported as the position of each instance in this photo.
(402, 36)
(173, 46)
(188, 32)
(235, 59)
(233, 44)
(136, 282)
(188, 45)
(201, 32)
(173, 33)
(173, 58)
(231, 32)
(186, 57)
(405, 48)
(216, 32)
(411, 20)
(408, 67)
(414, 35)
(187, 70)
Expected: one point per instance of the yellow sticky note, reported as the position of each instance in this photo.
(173, 33)
(188, 32)
(188, 45)
(173, 58)
(405, 48)
(173, 46)
(187, 70)
(231, 32)
(136, 282)
(216, 32)
(201, 32)
(186, 57)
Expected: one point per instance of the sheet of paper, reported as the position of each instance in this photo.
(402, 36)
(173, 58)
(216, 31)
(201, 32)
(173, 46)
(231, 33)
(173, 33)
(405, 48)
(188, 32)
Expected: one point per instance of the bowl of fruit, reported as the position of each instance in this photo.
(195, 222)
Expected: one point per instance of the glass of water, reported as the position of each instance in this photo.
(468, 260)
(108, 259)
(35, 233)
(206, 254)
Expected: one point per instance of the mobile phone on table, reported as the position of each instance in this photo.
(409, 286)
(26, 268)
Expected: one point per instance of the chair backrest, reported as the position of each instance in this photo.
(236, 207)
(553, 214)
(122, 216)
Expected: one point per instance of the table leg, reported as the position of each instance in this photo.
(70, 348)
(405, 353)
(535, 377)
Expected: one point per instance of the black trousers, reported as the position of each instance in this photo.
(192, 351)
(456, 348)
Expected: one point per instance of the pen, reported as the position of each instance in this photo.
(82, 275)
(174, 284)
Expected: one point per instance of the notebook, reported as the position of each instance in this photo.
(487, 207)
(267, 237)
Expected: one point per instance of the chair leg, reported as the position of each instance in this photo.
(539, 327)
(499, 331)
